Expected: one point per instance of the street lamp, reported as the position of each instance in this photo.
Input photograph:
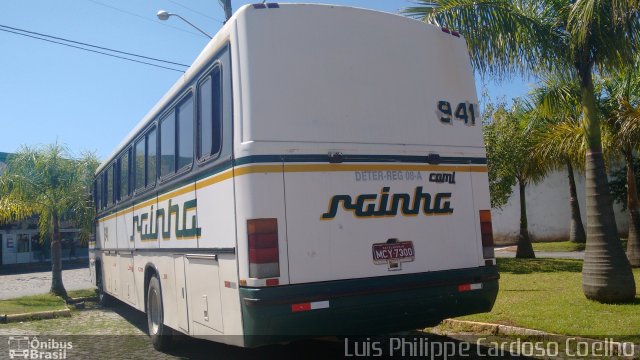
(164, 15)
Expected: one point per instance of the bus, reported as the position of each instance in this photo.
(318, 170)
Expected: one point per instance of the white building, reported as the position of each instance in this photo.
(548, 211)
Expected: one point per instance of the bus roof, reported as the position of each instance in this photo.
(214, 45)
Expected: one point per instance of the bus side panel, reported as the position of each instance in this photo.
(142, 225)
(260, 194)
(108, 232)
(216, 215)
(216, 219)
(124, 228)
(110, 269)
(126, 274)
(229, 295)
(178, 224)
(481, 201)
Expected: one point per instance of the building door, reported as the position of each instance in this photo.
(10, 249)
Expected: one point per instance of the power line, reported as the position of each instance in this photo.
(90, 50)
(144, 18)
(90, 45)
(196, 11)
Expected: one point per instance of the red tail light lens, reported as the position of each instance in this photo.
(486, 230)
(264, 258)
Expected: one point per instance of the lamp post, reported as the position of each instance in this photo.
(164, 15)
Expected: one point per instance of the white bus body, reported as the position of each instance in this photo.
(342, 190)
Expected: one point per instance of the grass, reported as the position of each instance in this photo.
(82, 293)
(546, 294)
(45, 302)
(33, 303)
(565, 246)
(557, 246)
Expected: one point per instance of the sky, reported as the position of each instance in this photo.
(90, 102)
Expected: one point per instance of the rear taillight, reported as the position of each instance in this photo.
(264, 259)
(486, 229)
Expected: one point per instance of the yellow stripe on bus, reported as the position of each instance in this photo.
(294, 168)
(380, 167)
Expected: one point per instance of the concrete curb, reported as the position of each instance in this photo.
(4, 319)
(81, 299)
(507, 330)
(496, 329)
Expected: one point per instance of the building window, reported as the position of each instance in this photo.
(210, 115)
(23, 243)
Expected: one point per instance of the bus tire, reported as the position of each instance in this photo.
(161, 335)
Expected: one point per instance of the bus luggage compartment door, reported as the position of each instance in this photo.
(203, 294)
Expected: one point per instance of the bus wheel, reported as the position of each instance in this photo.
(161, 335)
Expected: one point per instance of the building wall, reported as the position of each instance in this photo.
(548, 211)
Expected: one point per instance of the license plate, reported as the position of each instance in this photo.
(400, 252)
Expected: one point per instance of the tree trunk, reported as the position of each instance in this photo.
(606, 272)
(57, 287)
(633, 244)
(525, 249)
(576, 234)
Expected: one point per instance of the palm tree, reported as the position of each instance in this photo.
(623, 109)
(560, 36)
(509, 149)
(559, 139)
(46, 182)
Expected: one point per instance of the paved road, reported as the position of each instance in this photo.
(119, 333)
(509, 252)
(34, 283)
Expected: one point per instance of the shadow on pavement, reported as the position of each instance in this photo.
(191, 348)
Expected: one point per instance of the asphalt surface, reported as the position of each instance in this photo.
(119, 332)
(35, 283)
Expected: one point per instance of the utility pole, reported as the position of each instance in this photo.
(226, 4)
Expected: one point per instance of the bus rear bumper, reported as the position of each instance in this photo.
(364, 307)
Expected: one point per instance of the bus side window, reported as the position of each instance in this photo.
(123, 170)
(168, 144)
(139, 164)
(151, 157)
(185, 133)
(210, 115)
(97, 198)
(110, 184)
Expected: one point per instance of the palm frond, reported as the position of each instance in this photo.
(504, 37)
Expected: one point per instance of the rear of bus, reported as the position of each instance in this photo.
(362, 200)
